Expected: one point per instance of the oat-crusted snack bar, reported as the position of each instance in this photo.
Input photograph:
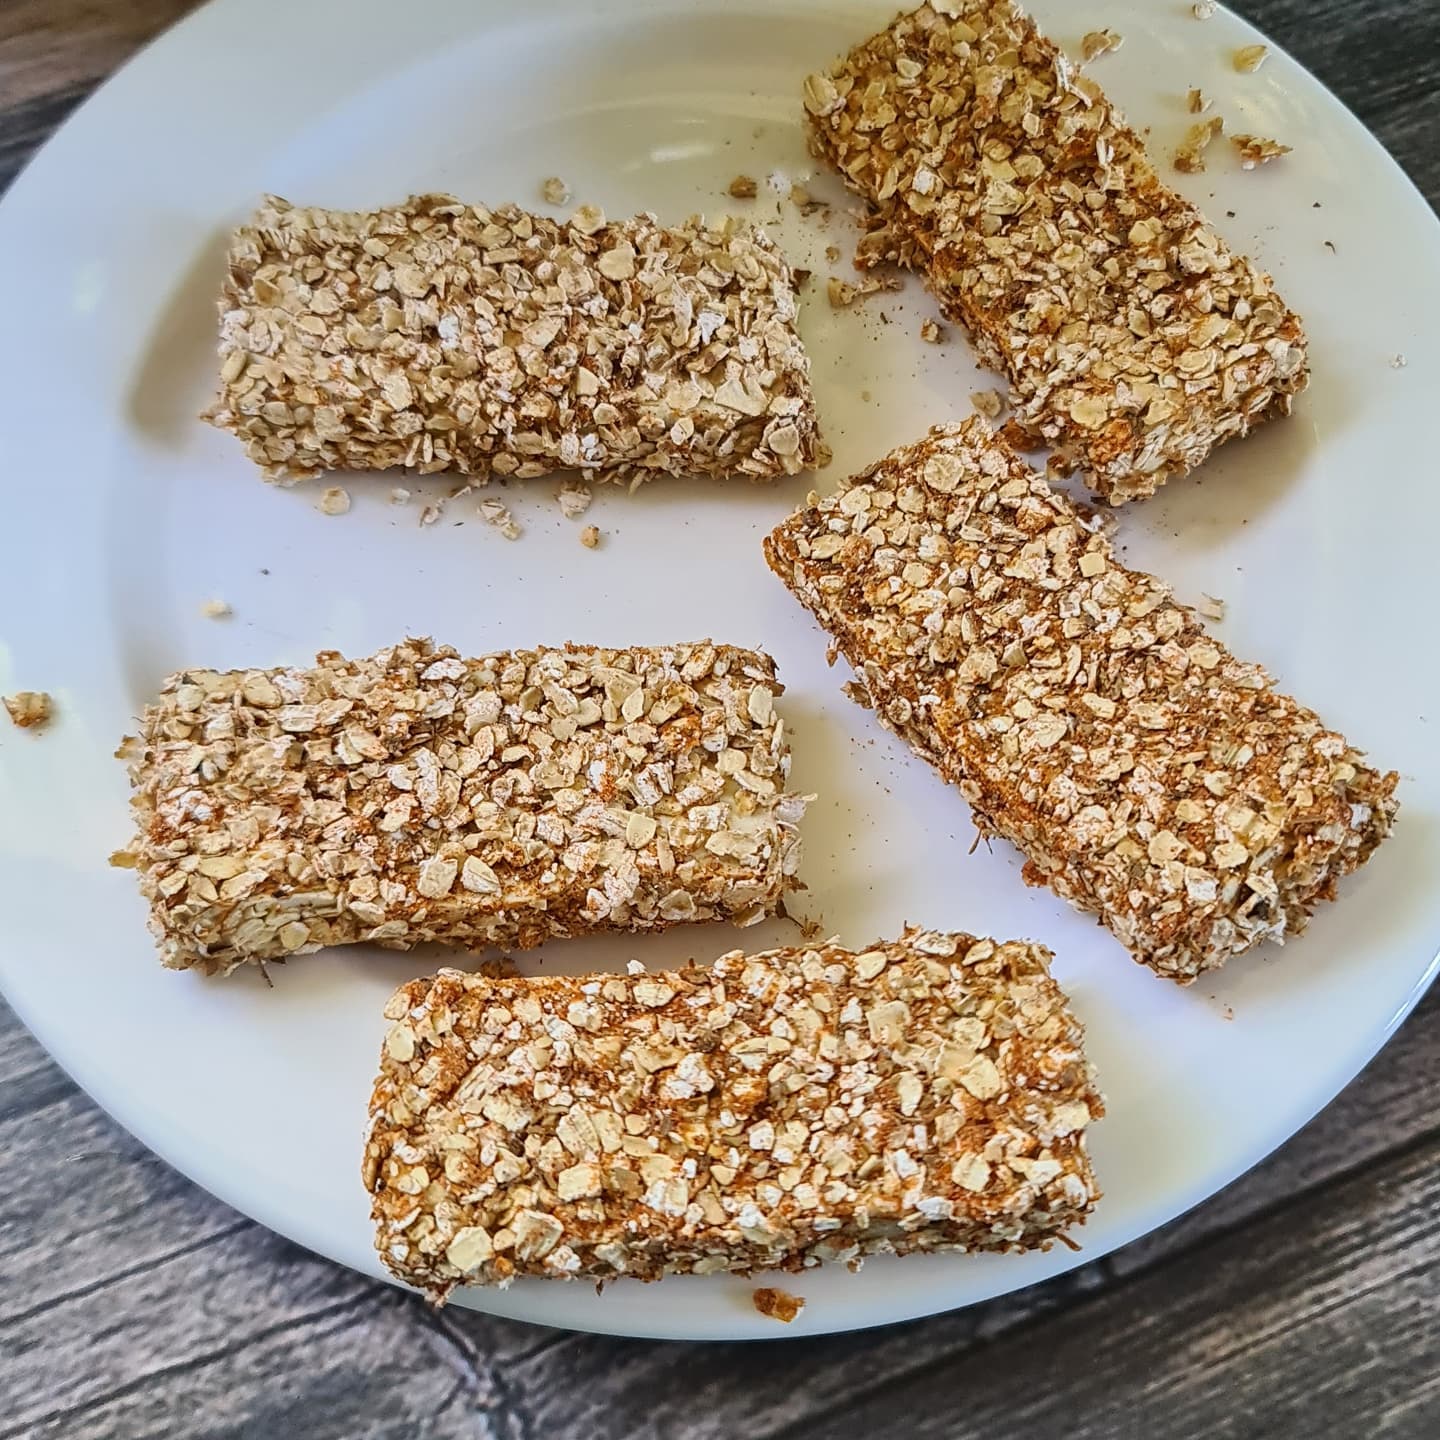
(767, 1112)
(1147, 774)
(443, 336)
(416, 796)
(1134, 339)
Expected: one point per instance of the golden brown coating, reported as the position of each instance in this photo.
(1134, 338)
(1147, 774)
(437, 335)
(415, 796)
(767, 1112)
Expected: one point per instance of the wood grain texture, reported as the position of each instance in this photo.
(1300, 1301)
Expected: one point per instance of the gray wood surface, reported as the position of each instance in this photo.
(1304, 1300)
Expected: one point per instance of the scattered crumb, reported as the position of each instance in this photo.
(842, 294)
(1100, 42)
(1203, 9)
(588, 219)
(1189, 157)
(216, 610)
(852, 688)
(431, 513)
(1397, 362)
(334, 501)
(832, 253)
(990, 403)
(932, 332)
(832, 654)
(1196, 103)
(1227, 1012)
(1211, 607)
(30, 708)
(805, 202)
(500, 517)
(500, 967)
(743, 187)
(778, 1304)
(399, 496)
(800, 275)
(574, 497)
(823, 454)
(1256, 150)
(1249, 58)
(810, 929)
(590, 537)
(554, 191)
(124, 859)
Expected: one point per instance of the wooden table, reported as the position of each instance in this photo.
(1304, 1300)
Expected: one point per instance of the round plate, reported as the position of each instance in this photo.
(125, 514)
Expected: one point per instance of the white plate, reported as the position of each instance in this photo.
(124, 514)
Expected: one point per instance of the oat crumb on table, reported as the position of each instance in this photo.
(334, 501)
(777, 1304)
(743, 187)
(216, 610)
(555, 191)
(805, 202)
(1203, 9)
(1256, 150)
(1100, 42)
(498, 515)
(590, 537)
(932, 332)
(1249, 58)
(399, 496)
(30, 709)
(574, 499)
(1196, 102)
(844, 293)
(1190, 154)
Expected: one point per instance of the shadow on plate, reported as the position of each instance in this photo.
(181, 347)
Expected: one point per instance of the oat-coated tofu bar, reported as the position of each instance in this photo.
(767, 1112)
(1135, 340)
(416, 796)
(443, 336)
(1147, 774)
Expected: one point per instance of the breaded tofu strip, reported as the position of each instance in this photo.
(1147, 775)
(443, 336)
(416, 796)
(767, 1112)
(1135, 340)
